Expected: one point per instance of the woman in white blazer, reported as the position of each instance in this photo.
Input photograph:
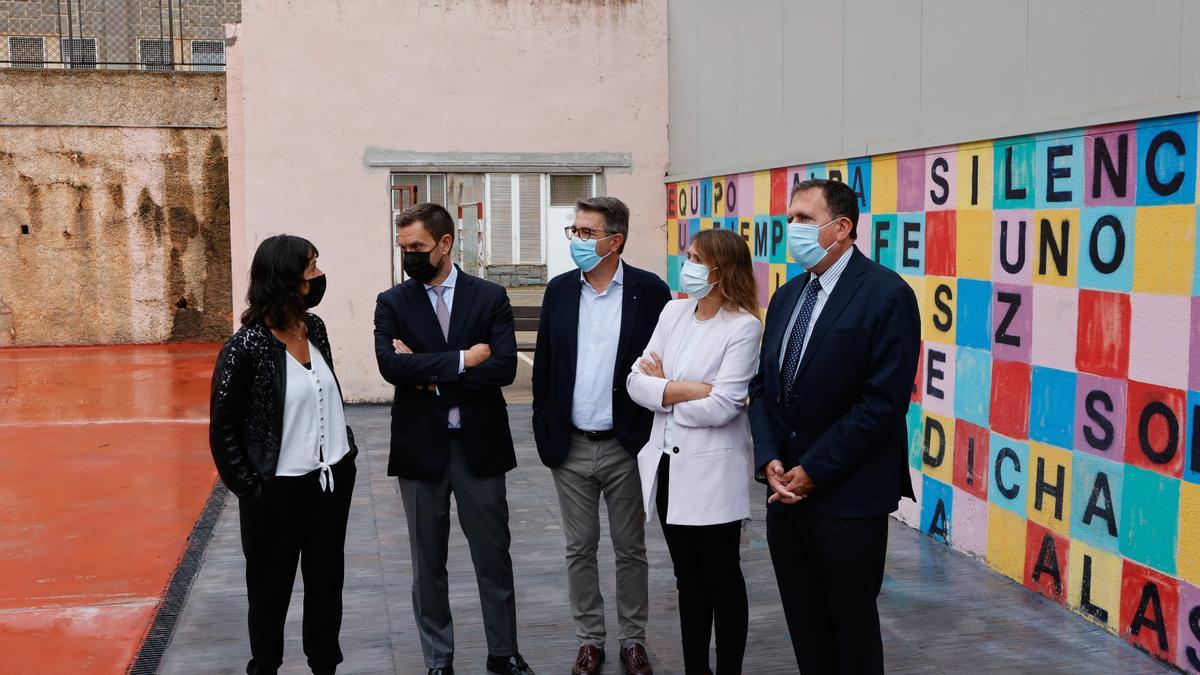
(696, 469)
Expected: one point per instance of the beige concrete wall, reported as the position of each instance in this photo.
(321, 86)
(117, 232)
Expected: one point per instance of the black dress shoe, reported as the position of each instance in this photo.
(508, 665)
(448, 670)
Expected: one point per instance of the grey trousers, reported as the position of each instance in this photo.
(592, 469)
(483, 515)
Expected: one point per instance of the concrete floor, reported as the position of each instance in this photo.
(941, 611)
(103, 455)
(104, 468)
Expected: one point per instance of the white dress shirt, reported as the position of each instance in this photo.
(827, 281)
(596, 358)
(448, 284)
(314, 422)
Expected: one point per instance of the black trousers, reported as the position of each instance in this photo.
(708, 576)
(297, 522)
(829, 572)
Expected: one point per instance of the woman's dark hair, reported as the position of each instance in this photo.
(276, 275)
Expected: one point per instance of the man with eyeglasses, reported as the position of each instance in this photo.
(594, 324)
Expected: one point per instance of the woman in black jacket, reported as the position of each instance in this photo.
(279, 438)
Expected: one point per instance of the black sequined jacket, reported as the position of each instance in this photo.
(246, 408)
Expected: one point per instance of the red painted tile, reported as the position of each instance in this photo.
(1149, 609)
(1009, 413)
(1103, 347)
(1046, 558)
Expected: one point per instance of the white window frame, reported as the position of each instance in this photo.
(26, 64)
(207, 67)
(65, 50)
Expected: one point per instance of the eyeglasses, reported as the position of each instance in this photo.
(584, 234)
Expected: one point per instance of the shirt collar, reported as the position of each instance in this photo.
(830, 278)
(617, 280)
(450, 280)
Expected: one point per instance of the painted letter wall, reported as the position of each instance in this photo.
(1053, 422)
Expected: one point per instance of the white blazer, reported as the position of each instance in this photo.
(711, 472)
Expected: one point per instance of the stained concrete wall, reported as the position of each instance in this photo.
(436, 76)
(114, 208)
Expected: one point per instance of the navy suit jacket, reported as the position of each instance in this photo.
(420, 440)
(642, 299)
(846, 424)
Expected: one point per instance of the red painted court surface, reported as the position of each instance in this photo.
(104, 468)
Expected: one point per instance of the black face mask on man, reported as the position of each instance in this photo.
(316, 291)
(417, 264)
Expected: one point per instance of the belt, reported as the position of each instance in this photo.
(595, 435)
(456, 434)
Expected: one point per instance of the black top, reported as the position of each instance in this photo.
(246, 407)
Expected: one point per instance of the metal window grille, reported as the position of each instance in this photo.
(155, 55)
(208, 55)
(567, 190)
(27, 52)
(429, 188)
(79, 52)
(150, 35)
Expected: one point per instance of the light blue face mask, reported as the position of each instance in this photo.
(804, 245)
(693, 280)
(584, 253)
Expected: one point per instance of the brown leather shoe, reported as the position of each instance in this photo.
(588, 661)
(635, 660)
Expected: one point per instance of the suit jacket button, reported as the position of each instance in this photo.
(791, 434)
(675, 450)
(778, 400)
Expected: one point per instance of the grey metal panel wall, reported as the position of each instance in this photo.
(761, 83)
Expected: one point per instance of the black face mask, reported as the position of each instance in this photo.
(418, 266)
(316, 291)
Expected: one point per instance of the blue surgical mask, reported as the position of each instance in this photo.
(803, 243)
(584, 253)
(693, 280)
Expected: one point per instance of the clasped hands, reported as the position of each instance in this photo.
(788, 487)
(471, 358)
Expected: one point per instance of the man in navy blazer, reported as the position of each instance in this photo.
(827, 411)
(445, 340)
(595, 322)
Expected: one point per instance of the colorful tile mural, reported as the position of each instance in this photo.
(1055, 420)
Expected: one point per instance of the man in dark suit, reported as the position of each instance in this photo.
(827, 411)
(445, 340)
(594, 323)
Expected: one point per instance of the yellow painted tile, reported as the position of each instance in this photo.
(883, 184)
(1104, 582)
(945, 333)
(1165, 249)
(1055, 512)
(974, 176)
(1188, 562)
(1069, 247)
(973, 249)
(1006, 543)
(762, 193)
